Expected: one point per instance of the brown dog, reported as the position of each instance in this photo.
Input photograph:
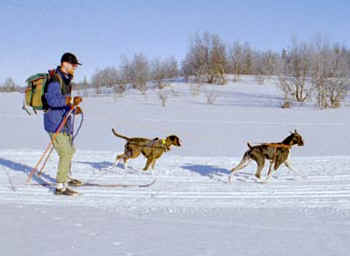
(151, 149)
(277, 153)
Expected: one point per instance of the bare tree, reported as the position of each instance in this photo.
(206, 59)
(126, 70)
(110, 76)
(264, 64)
(305, 71)
(163, 70)
(217, 61)
(120, 86)
(268, 63)
(9, 85)
(236, 60)
(106, 77)
(97, 81)
(294, 72)
(330, 74)
(197, 58)
(171, 68)
(337, 91)
(247, 59)
(140, 73)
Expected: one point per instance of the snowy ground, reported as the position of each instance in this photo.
(191, 209)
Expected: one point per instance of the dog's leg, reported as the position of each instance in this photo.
(148, 163)
(244, 162)
(287, 164)
(261, 163)
(125, 160)
(129, 153)
(124, 157)
(115, 164)
(153, 163)
(269, 173)
(117, 160)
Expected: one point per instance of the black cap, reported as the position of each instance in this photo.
(70, 58)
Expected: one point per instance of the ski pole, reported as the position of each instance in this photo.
(44, 164)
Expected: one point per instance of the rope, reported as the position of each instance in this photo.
(72, 130)
(79, 127)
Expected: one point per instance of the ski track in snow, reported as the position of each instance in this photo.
(195, 183)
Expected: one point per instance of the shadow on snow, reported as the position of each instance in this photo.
(19, 167)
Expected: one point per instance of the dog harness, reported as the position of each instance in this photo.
(276, 146)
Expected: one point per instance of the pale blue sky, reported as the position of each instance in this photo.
(34, 34)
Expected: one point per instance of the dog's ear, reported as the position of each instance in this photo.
(178, 142)
(175, 140)
(172, 138)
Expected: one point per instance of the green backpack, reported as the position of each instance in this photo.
(34, 95)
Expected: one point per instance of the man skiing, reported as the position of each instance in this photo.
(59, 102)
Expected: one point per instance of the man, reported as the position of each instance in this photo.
(58, 101)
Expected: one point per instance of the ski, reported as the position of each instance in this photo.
(119, 185)
(50, 186)
(43, 183)
(90, 184)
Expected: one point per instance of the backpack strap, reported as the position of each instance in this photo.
(51, 72)
(53, 76)
(65, 87)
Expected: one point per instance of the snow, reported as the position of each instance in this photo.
(191, 209)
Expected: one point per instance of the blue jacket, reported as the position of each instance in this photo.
(55, 96)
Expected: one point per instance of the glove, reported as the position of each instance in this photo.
(77, 100)
(68, 100)
(78, 110)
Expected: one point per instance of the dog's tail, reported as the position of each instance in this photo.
(120, 136)
(249, 146)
